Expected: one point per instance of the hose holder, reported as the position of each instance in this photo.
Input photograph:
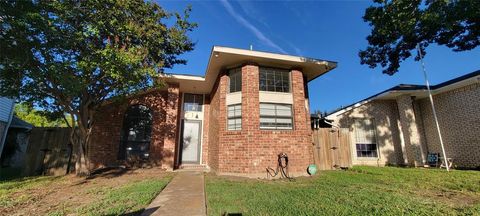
(282, 167)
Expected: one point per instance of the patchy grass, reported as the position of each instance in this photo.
(126, 192)
(11, 192)
(361, 190)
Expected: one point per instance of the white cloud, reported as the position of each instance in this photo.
(260, 36)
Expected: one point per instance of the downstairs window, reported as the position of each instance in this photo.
(234, 117)
(365, 139)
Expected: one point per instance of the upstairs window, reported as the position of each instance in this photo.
(274, 80)
(235, 77)
(192, 102)
(365, 139)
(235, 117)
(276, 116)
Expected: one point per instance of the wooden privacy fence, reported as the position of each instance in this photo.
(48, 152)
(331, 149)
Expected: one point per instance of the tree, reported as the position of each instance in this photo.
(399, 25)
(38, 118)
(72, 56)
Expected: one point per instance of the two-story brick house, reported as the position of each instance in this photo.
(249, 107)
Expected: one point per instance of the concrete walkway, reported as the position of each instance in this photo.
(184, 195)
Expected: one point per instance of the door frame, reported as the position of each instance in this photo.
(199, 149)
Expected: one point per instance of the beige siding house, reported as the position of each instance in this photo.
(397, 127)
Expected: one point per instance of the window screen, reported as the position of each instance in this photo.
(235, 76)
(193, 102)
(276, 116)
(234, 117)
(365, 138)
(275, 80)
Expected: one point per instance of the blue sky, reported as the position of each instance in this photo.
(331, 30)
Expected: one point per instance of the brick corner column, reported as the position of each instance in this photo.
(250, 98)
(302, 117)
(409, 130)
(168, 153)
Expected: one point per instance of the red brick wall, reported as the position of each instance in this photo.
(251, 150)
(206, 111)
(106, 133)
(212, 118)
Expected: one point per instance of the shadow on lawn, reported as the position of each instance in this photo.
(142, 211)
(108, 172)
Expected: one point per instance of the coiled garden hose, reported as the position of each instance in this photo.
(282, 167)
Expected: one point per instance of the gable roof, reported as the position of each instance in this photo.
(222, 58)
(419, 91)
(19, 123)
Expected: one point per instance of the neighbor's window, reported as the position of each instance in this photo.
(276, 116)
(192, 102)
(276, 80)
(365, 138)
(235, 77)
(235, 117)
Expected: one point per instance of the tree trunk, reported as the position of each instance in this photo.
(81, 165)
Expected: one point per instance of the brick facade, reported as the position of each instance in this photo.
(458, 114)
(385, 118)
(406, 129)
(106, 134)
(409, 131)
(250, 150)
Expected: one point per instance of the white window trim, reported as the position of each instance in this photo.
(235, 117)
(284, 117)
(355, 141)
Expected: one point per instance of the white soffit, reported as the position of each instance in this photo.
(223, 58)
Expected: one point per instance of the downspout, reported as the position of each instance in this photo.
(4, 135)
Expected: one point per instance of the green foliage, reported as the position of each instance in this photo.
(359, 191)
(38, 118)
(71, 56)
(398, 26)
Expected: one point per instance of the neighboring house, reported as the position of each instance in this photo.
(16, 144)
(249, 107)
(396, 126)
(6, 114)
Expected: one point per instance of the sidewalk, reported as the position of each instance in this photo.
(184, 195)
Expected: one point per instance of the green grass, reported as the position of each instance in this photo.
(12, 191)
(132, 197)
(359, 191)
(93, 198)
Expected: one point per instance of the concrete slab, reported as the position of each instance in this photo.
(184, 195)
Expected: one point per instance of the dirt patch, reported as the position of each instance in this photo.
(451, 198)
(71, 192)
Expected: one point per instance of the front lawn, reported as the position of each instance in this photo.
(358, 191)
(111, 193)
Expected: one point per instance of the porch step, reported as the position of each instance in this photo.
(193, 167)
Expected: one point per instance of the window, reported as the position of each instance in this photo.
(235, 76)
(192, 102)
(365, 138)
(276, 80)
(276, 116)
(235, 117)
(136, 133)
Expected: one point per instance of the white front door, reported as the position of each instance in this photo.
(191, 141)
